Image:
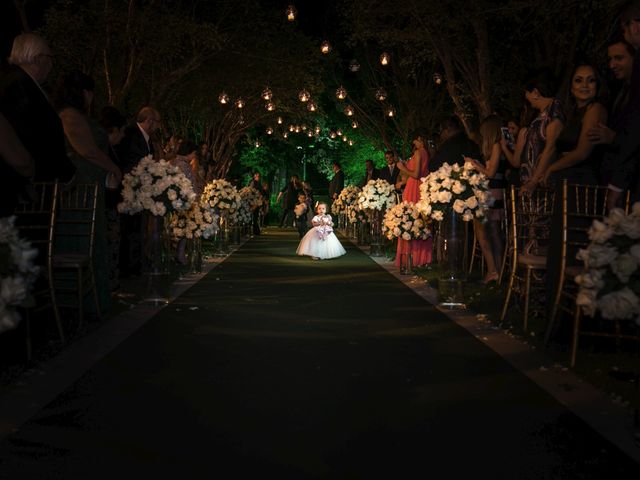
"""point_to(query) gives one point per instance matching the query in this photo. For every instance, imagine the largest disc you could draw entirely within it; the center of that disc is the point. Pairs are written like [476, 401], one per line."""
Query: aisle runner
[305, 369]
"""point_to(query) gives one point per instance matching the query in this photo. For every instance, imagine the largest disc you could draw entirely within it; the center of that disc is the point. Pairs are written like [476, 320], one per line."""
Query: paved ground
[279, 365]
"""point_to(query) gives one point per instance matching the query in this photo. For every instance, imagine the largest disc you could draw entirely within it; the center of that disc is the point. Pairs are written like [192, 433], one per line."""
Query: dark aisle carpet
[294, 368]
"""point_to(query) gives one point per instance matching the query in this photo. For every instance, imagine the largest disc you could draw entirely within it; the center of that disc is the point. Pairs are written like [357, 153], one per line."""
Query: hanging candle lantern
[354, 124]
[339, 132]
[292, 127]
[223, 98]
[291, 13]
[303, 127]
[267, 94]
[348, 111]
[354, 65]
[351, 143]
[341, 93]
[279, 120]
[332, 134]
[325, 47]
[270, 106]
[296, 129]
[311, 106]
[240, 120]
[304, 96]
[344, 139]
[437, 78]
[257, 144]
[317, 129]
[381, 94]
[391, 112]
[309, 134]
[269, 131]
[239, 103]
[385, 59]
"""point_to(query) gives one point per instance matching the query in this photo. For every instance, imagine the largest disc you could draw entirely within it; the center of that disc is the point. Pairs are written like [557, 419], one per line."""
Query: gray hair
[146, 112]
[26, 48]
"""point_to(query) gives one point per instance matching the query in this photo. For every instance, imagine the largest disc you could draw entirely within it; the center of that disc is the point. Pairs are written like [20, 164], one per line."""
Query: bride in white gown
[320, 242]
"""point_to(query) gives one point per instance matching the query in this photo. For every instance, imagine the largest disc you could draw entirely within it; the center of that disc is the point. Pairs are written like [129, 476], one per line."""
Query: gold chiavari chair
[74, 247]
[476, 251]
[506, 228]
[36, 218]
[529, 236]
[581, 205]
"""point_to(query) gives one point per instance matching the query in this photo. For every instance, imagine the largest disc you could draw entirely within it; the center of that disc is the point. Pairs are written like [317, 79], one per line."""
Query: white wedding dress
[320, 241]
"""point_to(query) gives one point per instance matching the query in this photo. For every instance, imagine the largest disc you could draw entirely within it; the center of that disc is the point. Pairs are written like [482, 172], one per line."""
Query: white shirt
[145, 135]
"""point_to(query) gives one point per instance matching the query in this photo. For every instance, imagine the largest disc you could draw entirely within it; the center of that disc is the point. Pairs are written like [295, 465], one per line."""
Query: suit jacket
[36, 123]
[132, 148]
[336, 184]
[389, 176]
[452, 151]
[370, 176]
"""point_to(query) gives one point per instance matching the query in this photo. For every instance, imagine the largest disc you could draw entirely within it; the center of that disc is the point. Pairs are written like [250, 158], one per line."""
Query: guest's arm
[490, 169]
[516, 159]
[13, 152]
[552, 132]
[417, 163]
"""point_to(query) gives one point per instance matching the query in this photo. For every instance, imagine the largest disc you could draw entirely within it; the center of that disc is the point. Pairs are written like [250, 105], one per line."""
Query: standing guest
[255, 215]
[289, 195]
[26, 107]
[337, 182]
[308, 191]
[390, 172]
[454, 145]
[371, 173]
[204, 154]
[489, 234]
[577, 160]
[88, 146]
[416, 168]
[137, 143]
[14, 161]
[301, 211]
[113, 123]
[266, 204]
[540, 141]
[620, 54]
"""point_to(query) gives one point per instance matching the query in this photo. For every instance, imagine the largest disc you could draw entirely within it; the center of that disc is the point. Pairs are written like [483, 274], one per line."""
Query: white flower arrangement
[157, 187]
[406, 221]
[377, 195]
[17, 273]
[251, 197]
[198, 222]
[355, 214]
[243, 215]
[222, 197]
[347, 197]
[611, 282]
[463, 190]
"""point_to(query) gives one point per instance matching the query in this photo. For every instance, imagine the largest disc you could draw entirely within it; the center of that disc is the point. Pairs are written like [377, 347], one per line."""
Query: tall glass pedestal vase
[353, 231]
[194, 255]
[377, 238]
[156, 248]
[221, 238]
[364, 233]
[452, 254]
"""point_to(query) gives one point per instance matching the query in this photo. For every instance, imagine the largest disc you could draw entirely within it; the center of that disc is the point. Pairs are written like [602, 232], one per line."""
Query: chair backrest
[36, 217]
[531, 220]
[75, 224]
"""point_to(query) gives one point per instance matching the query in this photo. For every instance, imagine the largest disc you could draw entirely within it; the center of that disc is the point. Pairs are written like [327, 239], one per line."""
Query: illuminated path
[294, 368]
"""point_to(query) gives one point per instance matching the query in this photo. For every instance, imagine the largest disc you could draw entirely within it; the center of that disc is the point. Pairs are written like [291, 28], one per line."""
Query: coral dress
[320, 241]
[421, 250]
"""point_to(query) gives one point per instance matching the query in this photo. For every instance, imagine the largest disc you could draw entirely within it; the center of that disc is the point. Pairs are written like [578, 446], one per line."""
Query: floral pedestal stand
[406, 264]
[364, 233]
[221, 238]
[377, 238]
[452, 254]
[194, 255]
[156, 248]
[353, 231]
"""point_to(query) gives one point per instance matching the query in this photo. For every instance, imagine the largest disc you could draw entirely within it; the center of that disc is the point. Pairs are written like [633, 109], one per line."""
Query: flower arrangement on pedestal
[611, 282]
[156, 187]
[377, 195]
[462, 190]
[406, 221]
[222, 197]
[198, 222]
[17, 273]
[251, 197]
[347, 197]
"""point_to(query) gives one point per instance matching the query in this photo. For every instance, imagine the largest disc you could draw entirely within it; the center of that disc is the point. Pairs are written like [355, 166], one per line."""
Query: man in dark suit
[255, 215]
[454, 145]
[26, 107]
[289, 194]
[390, 172]
[337, 182]
[371, 172]
[137, 142]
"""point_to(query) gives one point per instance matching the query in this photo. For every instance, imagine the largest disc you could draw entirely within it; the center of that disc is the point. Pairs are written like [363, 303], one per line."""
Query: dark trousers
[285, 214]
[301, 225]
[255, 217]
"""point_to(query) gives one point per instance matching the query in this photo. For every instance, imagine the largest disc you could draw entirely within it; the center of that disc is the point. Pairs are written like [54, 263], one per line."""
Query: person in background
[289, 194]
[454, 145]
[337, 182]
[301, 211]
[371, 173]
[308, 191]
[389, 173]
[137, 143]
[14, 161]
[256, 184]
[266, 204]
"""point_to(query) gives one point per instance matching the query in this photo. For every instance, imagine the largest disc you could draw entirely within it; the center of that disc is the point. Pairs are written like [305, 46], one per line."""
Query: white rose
[593, 279]
[444, 197]
[630, 226]
[624, 266]
[458, 187]
[601, 255]
[623, 304]
[471, 202]
[437, 215]
[458, 206]
[599, 232]
[467, 216]
[406, 236]
[587, 300]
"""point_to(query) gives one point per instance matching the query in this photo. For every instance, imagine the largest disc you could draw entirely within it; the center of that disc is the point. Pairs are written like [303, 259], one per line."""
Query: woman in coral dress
[415, 169]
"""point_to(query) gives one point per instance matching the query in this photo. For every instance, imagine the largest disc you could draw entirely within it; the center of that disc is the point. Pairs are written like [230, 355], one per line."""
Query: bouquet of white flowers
[611, 282]
[17, 273]
[377, 195]
[356, 214]
[347, 197]
[222, 197]
[251, 197]
[461, 189]
[157, 187]
[406, 221]
[198, 222]
[243, 215]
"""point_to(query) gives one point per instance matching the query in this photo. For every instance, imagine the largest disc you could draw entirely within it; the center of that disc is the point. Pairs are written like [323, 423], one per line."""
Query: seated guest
[27, 109]
[454, 145]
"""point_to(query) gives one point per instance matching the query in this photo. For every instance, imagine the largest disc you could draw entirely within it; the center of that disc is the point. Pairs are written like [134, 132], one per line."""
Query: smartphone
[506, 134]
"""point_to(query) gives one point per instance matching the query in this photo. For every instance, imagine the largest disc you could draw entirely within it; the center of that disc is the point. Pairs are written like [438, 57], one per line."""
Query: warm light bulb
[351, 143]
[437, 78]
[325, 47]
[269, 131]
[339, 132]
[270, 106]
[223, 98]
[348, 111]
[304, 96]
[309, 134]
[257, 144]
[391, 112]
[341, 93]
[240, 103]
[381, 94]
[344, 139]
[311, 106]
[291, 13]
[354, 124]
[292, 128]
[285, 134]
[279, 120]
[385, 58]
[267, 94]
[318, 129]
[332, 134]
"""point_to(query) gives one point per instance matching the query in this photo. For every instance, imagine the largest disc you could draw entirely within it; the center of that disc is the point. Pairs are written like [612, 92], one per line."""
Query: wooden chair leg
[552, 317]
[527, 287]
[505, 307]
[576, 335]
